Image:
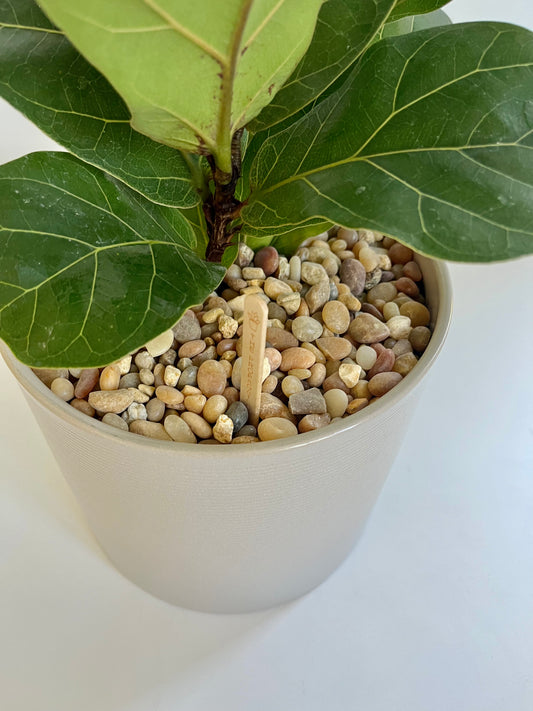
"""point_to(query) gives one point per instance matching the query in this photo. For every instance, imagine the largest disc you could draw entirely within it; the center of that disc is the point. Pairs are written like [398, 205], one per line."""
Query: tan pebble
[146, 376]
[334, 381]
[407, 286]
[160, 344]
[233, 272]
[154, 430]
[244, 439]
[419, 338]
[390, 309]
[281, 339]
[381, 383]
[270, 384]
[384, 262]
[75, 372]
[230, 356]
[290, 385]
[399, 327]
[320, 357]
[356, 404]
[402, 299]
[139, 396]
[190, 390]
[351, 302]
[110, 378]
[272, 406]
[361, 390]
[223, 429]
[63, 388]
[312, 422]
[155, 409]
[211, 378]
[275, 323]
[226, 366]
[306, 328]
[212, 315]
[405, 363]
[303, 309]
[402, 346]
[318, 295]
[195, 403]
[336, 316]
[171, 376]
[349, 374]
[191, 349]
[366, 328]
[215, 405]
[317, 376]
[143, 359]
[300, 373]
[47, 375]
[418, 313]
[170, 396]
[88, 380]
[295, 268]
[290, 302]
[198, 425]
[136, 411]
[252, 273]
[412, 270]
[336, 402]
[385, 291]
[146, 389]
[124, 364]
[368, 259]
[275, 428]
[400, 254]
[334, 348]
[236, 304]
[296, 358]
[210, 353]
[338, 245]
[274, 288]
[274, 358]
[159, 374]
[110, 400]
[231, 394]
[245, 255]
[227, 326]
[312, 273]
[83, 406]
[115, 421]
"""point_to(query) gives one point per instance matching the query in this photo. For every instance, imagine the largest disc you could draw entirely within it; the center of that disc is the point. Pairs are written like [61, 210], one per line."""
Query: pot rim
[40, 392]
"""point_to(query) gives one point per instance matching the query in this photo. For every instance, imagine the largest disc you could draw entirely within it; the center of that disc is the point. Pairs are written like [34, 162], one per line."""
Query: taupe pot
[233, 528]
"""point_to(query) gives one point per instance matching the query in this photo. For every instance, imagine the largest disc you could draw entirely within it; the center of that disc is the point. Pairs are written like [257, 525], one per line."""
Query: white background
[432, 611]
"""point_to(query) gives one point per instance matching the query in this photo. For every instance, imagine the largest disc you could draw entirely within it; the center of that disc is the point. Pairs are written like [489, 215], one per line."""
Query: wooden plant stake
[253, 354]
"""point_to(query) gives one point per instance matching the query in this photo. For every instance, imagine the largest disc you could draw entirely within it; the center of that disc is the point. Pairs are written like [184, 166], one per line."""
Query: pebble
[291, 303]
[295, 268]
[170, 396]
[353, 274]
[223, 429]
[171, 376]
[83, 406]
[130, 380]
[276, 428]
[155, 410]
[188, 328]
[139, 396]
[412, 270]
[407, 286]
[366, 328]
[195, 403]
[87, 382]
[154, 430]
[385, 291]
[405, 363]
[251, 273]
[146, 377]
[312, 422]
[274, 358]
[281, 339]
[296, 357]
[110, 400]
[317, 375]
[227, 326]
[137, 411]
[306, 328]
[417, 312]
[237, 412]
[368, 258]
[216, 405]
[336, 402]
[47, 375]
[291, 384]
[267, 259]
[188, 376]
[192, 348]
[160, 344]
[390, 309]
[307, 402]
[334, 381]
[312, 273]
[334, 348]
[178, 429]
[399, 327]
[356, 404]
[272, 406]
[115, 421]
[381, 383]
[198, 425]
[350, 373]
[366, 357]
[244, 439]
[124, 364]
[400, 254]
[419, 338]
[336, 316]
[384, 362]
[317, 296]
[402, 346]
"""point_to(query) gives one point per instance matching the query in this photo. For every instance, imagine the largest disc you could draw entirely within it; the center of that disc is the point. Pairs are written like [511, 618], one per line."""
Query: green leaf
[404, 8]
[89, 269]
[344, 30]
[45, 77]
[440, 156]
[414, 23]
[191, 73]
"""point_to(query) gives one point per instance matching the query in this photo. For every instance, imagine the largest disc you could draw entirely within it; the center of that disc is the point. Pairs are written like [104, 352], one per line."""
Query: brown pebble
[335, 382]
[170, 396]
[231, 394]
[373, 310]
[296, 358]
[83, 406]
[86, 383]
[419, 338]
[244, 439]
[154, 430]
[356, 404]
[405, 363]
[334, 348]
[281, 339]
[418, 313]
[317, 296]
[336, 316]
[383, 382]
[198, 425]
[267, 259]
[275, 428]
[191, 349]
[407, 286]
[309, 423]
[400, 254]
[211, 378]
[225, 345]
[353, 273]
[366, 328]
[272, 406]
[274, 358]
[195, 403]
[413, 271]
[384, 362]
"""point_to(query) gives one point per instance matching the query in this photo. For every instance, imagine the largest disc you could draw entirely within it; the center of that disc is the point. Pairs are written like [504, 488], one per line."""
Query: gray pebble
[247, 431]
[307, 402]
[373, 278]
[188, 377]
[155, 409]
[187, 328]
[130, 380]
[353, 274]
[238, 413]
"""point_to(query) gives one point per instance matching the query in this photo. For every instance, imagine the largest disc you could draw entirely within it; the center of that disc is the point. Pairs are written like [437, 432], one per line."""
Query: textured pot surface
[233, 528]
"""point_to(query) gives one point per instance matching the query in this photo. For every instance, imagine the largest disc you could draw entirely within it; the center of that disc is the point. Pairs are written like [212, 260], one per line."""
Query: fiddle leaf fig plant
[193, 126]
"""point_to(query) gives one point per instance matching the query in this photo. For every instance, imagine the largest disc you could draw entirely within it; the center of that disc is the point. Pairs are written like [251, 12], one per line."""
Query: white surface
[433, 610]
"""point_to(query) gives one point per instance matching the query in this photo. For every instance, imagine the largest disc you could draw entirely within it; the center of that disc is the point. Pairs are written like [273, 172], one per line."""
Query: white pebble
[171, 375]
[336, 402]
[390, 309]
[137, 411]
[399, 327]
[160, 344]
[63, 388]
[366, 357]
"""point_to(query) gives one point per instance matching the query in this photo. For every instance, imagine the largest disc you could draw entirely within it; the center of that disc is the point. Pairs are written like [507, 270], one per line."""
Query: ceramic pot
[233, 528]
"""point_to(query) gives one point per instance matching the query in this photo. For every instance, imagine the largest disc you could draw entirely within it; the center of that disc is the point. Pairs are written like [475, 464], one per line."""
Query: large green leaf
[404, 8]
[89, 269]
[47, 79]
[429, 141]
[192, 73]
[344, 30]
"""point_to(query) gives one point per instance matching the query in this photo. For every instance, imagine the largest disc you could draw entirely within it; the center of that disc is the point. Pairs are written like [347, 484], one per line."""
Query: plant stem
[222, 208]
